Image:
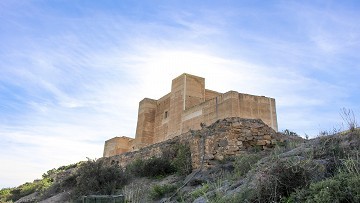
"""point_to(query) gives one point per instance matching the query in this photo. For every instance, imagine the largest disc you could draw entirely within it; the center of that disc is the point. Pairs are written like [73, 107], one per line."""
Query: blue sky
[72, 72]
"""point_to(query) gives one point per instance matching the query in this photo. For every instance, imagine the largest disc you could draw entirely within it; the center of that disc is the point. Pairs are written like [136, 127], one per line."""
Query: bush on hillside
[244, 163]
[155, 167]
[135, 168]
[152, 168]
[182, 160]
[159, 191]
[14, 194]
[176, 159]
[344, 186]
[95, 177]
[5, 194]
[281, 180]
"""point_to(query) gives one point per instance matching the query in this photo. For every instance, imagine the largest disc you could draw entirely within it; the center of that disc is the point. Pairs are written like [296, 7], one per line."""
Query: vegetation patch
[182, 159]
[153, 168]
[95, 177]
[13, 194]
[244, 163]
[159, 191]
[344, 186]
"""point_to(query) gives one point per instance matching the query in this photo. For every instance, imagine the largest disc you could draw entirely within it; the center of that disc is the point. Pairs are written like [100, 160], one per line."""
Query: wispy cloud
[71, 78]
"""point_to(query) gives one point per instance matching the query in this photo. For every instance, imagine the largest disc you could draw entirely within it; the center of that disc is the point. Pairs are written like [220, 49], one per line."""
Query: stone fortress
[187, 107]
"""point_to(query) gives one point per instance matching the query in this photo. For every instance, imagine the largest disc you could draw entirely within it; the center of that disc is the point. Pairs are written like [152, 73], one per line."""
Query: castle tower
[186, 91]
[145, 123]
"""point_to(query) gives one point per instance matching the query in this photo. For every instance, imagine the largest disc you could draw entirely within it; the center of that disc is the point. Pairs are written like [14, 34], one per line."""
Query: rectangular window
[166, 114]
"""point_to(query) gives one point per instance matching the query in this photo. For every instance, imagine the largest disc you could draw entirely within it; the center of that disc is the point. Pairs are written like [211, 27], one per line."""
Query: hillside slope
[323, 169]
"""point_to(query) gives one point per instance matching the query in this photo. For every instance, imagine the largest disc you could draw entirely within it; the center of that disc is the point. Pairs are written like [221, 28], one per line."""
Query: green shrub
[135, 168]
[159, 191]
[54, 171]
[174, 159]
[182, 159]
[25, 189]
[247, 195]
[5, 194]
[70, 166]
[244, 163]
[201, 191]
[95, 177]
[283, 178]
[343, 187]
[153, 168]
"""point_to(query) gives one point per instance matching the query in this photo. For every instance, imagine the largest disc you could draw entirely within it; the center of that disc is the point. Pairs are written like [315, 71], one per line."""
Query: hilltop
[323, 169]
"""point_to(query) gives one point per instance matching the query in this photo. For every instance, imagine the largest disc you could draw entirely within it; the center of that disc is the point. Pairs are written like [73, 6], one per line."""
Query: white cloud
[83, 78]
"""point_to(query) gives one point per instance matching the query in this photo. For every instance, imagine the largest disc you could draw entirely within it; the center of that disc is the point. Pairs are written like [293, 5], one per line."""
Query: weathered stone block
[242, 138]
[209, 157]
[223, 143]
[219, 157]
[267, 137]
[233, 148]
[261, 142]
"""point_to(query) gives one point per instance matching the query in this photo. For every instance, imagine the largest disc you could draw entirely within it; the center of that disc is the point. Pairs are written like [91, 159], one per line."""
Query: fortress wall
[251, 106]
[193, 117]
[222, 106]
[176, 106]
[210, 94]
[231, 104]
[226, 104]
[194, 88]
[117, 145]
[162, 118]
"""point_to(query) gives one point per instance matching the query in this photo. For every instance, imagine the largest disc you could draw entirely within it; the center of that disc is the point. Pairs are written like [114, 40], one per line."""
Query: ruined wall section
[225, 138]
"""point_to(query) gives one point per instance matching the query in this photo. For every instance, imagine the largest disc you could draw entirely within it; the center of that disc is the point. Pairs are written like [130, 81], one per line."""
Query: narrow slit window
[166, 114]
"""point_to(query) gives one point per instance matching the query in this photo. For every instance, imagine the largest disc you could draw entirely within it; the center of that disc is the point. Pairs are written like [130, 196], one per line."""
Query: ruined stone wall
[226, 137]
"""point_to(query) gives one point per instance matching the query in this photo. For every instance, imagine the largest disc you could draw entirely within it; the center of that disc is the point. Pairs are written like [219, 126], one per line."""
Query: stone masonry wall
[224, 138]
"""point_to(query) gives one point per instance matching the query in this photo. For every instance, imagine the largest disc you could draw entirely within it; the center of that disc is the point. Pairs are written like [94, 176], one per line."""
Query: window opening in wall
[166, 114]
